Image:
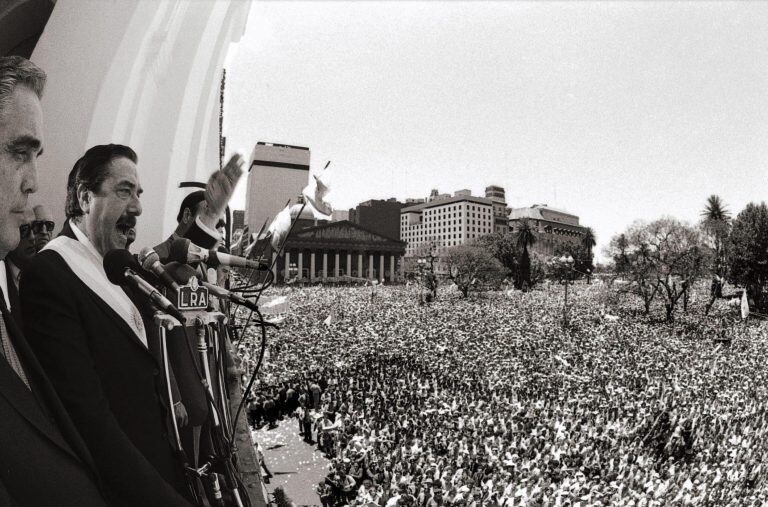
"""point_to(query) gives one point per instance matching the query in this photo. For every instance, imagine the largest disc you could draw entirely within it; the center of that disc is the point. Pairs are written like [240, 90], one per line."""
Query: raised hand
[219, 190]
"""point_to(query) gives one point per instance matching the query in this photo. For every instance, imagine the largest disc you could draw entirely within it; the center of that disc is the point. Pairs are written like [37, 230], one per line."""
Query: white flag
[328, 320]
[744, 305]
[282, 224]
[255, 238]
[315, 192]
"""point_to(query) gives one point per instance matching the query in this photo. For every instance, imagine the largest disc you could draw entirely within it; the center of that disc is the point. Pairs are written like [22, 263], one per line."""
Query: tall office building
[379, 216]
[500, 211]
[445, 221]
[277, 173]
[238, 219]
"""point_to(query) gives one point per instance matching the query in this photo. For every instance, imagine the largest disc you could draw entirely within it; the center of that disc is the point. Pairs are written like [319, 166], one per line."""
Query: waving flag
[254, 240]
[280, 226]
[316, 191]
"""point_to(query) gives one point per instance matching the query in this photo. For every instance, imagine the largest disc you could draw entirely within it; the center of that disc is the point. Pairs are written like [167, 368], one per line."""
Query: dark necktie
[7, 347]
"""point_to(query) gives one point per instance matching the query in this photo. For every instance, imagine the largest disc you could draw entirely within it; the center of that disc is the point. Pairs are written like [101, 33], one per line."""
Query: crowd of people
[492, 400]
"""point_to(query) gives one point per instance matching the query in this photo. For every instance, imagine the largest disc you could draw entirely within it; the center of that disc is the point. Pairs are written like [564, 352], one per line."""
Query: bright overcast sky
[612, 111]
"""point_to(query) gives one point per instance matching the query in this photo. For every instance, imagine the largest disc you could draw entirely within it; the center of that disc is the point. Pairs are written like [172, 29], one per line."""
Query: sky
[612, 111]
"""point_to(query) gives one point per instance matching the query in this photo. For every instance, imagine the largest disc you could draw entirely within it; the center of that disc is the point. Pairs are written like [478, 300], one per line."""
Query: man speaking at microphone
[93, 340]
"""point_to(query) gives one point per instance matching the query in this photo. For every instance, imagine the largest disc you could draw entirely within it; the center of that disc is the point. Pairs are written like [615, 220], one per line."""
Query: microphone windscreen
[179, 250]
[181, 273]
[145, 252]
[116, 262]
[148, 258]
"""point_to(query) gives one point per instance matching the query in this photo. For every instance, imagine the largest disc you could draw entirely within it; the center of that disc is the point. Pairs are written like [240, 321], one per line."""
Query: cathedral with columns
[339, 252]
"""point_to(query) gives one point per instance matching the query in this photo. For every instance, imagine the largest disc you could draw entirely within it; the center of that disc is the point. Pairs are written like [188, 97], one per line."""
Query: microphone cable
[248, 388]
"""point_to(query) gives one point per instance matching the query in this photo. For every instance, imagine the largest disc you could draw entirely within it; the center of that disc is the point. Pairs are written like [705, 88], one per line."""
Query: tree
[503, 247]
[747, 250]
[664, 257]
[716, 222]
[585, 260]
[525, 237]
[632, 261]
[470, 266]
[678, 251]
[538, 271]
[620, 246]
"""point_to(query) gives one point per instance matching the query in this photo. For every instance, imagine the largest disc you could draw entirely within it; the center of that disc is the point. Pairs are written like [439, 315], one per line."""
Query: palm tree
[588, 242]
[716, 221]
[715, 210]
[526, 236]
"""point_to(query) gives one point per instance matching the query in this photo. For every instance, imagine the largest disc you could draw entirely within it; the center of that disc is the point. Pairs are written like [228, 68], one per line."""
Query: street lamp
[564, 265]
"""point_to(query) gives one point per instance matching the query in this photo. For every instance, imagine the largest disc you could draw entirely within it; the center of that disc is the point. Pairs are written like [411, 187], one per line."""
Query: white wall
[142, 73]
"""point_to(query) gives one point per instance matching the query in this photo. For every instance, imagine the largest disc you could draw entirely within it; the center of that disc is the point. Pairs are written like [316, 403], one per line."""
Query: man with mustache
[94, 342]
[44, 459]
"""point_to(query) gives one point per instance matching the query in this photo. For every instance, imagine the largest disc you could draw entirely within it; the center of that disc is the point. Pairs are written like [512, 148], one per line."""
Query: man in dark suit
[93, 341]
[190, 207]
[193, 221]
[34, 234]
[17, 259]
[43, 459]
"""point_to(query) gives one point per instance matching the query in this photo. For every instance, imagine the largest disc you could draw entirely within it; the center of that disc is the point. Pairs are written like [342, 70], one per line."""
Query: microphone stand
[163, 321]
[223, 449]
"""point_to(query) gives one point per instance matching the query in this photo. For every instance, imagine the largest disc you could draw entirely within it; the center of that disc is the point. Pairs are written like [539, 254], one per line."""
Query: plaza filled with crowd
[495, 400]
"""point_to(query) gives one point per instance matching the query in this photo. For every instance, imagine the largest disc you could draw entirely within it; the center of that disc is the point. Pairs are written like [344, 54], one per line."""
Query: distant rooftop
[535, 212]
[443, 202]
[262, 143]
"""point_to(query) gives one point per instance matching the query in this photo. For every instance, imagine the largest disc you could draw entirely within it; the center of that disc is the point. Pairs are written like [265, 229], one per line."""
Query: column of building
[324, 264]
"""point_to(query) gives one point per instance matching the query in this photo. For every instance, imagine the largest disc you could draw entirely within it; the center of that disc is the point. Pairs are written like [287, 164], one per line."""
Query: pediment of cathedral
[342, 231]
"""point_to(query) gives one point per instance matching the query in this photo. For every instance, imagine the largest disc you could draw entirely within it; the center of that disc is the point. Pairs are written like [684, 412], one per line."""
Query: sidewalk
[296, 465]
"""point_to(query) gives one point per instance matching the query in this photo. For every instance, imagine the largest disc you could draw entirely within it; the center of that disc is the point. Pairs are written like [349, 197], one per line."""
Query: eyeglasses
[39, 225]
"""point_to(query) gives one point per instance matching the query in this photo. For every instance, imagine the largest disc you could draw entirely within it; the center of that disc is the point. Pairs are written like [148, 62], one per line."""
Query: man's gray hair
[14, 71]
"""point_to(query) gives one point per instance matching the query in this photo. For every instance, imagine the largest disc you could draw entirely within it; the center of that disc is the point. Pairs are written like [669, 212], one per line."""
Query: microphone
[183, 273]
[184, 251]
[119, 265]
[150, 261]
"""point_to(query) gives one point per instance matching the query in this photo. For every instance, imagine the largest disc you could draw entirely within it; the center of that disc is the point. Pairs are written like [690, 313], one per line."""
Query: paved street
[296, 466]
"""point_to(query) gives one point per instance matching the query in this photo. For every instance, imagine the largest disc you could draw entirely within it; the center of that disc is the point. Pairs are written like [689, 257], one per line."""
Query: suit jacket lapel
[13, 292]
[12, 388]
[44, 390]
